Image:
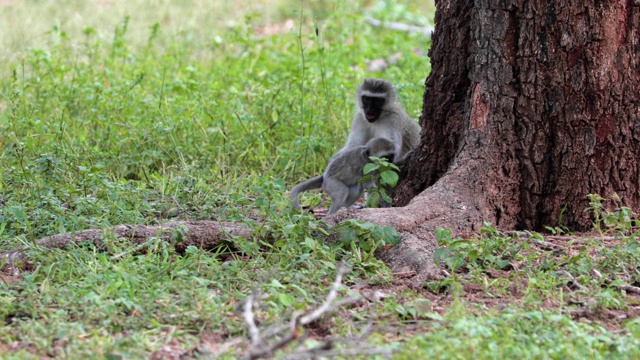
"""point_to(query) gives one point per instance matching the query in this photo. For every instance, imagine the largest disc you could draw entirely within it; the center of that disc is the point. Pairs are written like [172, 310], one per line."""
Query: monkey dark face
[372, 106]
[388, 156]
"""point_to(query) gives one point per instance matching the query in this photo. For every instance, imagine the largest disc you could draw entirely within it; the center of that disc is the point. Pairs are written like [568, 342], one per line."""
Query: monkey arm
[403, 161]
[398, 145]
[358, 134]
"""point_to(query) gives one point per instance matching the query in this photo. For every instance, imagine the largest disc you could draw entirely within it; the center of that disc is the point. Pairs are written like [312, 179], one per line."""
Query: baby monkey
[341, 179]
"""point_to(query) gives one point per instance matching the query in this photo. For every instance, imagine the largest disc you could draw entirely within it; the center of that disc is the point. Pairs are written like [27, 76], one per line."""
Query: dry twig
[288, 333]
[628, 288]
[572, 280]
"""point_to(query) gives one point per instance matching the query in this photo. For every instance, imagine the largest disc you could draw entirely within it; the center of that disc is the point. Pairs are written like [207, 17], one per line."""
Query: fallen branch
[572, 280]
[203, 234]
[565, 238]
[405, 274]
[249, 318]
[288, 333]
[628, 288]
[424, 30]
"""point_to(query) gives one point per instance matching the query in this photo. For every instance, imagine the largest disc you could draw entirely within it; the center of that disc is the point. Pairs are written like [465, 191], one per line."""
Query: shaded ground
[482, 291]
[479, 295]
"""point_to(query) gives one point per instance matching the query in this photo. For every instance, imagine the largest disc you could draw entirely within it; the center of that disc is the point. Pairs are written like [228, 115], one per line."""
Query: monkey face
[372, 106]
[385, 155]
[389, 156]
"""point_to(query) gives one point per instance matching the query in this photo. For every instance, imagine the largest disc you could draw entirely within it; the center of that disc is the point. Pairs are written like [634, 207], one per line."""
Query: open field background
[140, 112]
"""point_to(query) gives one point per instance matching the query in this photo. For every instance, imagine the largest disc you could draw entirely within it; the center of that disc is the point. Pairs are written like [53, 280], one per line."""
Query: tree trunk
[530, 106]
[539, 102]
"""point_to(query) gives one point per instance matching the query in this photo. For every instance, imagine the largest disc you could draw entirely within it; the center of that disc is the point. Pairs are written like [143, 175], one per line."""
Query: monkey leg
[355, 192]
[339, 193]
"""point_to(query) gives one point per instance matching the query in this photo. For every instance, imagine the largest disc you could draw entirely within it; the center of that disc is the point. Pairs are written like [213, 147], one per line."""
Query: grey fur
[343, 174]
[393, 123]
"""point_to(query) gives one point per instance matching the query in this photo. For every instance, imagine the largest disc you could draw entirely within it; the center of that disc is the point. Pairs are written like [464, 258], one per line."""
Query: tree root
[442, 205]
[203, 234]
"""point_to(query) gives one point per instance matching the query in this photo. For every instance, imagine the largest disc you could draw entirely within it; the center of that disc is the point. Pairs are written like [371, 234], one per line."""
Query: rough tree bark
[543, 96]
[530, 106]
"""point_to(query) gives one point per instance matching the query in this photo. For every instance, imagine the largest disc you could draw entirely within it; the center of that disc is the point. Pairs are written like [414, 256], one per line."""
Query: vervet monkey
[341, 179]
[379, 114]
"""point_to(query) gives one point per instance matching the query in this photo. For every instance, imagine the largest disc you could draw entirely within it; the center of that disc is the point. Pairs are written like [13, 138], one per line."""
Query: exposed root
[204, 234]
[445, 204]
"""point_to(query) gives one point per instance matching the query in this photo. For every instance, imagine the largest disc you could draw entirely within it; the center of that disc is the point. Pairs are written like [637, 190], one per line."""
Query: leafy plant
[621, 220]
[491, 249]
[384, 175]
[365, 237]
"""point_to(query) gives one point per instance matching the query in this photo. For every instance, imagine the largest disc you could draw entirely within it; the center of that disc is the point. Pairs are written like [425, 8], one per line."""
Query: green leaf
[385, 197]
[454, 262]
[434, 316]
[389, 178]
[390, 236]
[300, 289]
[365, 225]
[374, 199]
[310, 243]
[347, 234]
[276, 284]
[443, 235]
[440, 254]
[370, 167]
[502, 263]
[286, 299]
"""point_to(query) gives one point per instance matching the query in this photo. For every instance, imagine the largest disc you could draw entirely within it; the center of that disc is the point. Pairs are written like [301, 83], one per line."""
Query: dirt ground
[579, 306]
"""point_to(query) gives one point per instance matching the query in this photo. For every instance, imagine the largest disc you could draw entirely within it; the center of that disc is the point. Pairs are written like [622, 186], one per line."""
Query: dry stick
[571, 279]
[575, 239]
[405, 273]
[628, 288]
[325, 349]
[249, 318]
[584, 239]
[547, 245]
[315, 352]
[292, 335]
[333, 293]
[258, 348]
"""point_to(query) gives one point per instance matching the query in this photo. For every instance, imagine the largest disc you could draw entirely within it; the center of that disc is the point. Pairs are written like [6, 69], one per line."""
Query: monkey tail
[313, 183]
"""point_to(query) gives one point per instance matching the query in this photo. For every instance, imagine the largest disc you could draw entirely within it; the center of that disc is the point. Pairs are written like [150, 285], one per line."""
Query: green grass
[529, 335]
[135, 112]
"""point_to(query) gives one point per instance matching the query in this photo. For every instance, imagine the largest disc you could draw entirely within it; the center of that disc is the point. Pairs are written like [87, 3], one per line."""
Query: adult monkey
[379, 114]
[341, 179]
